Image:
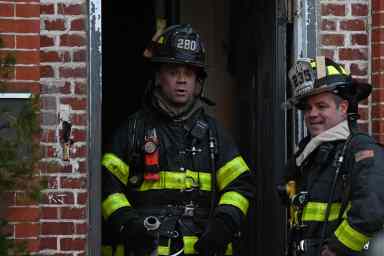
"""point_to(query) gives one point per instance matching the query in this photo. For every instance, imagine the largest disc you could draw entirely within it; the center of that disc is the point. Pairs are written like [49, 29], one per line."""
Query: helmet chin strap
[353, 115]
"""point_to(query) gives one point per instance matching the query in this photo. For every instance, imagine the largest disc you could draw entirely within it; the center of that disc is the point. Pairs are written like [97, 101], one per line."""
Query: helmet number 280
[186, 44]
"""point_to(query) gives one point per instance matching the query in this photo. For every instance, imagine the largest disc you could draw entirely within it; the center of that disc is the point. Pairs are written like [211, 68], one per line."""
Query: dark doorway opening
[127, 29]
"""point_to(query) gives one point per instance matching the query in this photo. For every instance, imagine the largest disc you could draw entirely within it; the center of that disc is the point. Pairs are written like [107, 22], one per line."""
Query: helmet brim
[363, 90]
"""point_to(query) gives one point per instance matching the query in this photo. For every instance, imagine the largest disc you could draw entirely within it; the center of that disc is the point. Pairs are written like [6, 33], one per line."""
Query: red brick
[358, 70]
[378, 96]
[8, 230]
[22, 214]
[378, 80]
[82, 167]
[72, 40]
[8, 41]
[332, 10]
[328, 25]
[378, 50]
[80, 88]
[69, 244]
[363, 127]
[9, 198]
[48, 243]
[353, 25]
[378, 111]
[353, 54]
[63, 228]
[27, 57]
[73, 183]
[82, 198]
[81, 228]
[32, 245]
[78, 25]
[50, 167]
[378, 5]
[68, 72]
[47, 8]
[46, 41]
[27, 1]
[6, 10]
[79, 135]
[46, 71]
[66, 89]
[379, 138]
[23, 199]
[27, 10]
[332, 39]
[27, 73]
[378, 19]
[52, 182]
[363, 112]
[79, 119]
[377, 65]
[378, 127]
[58, 24]
[359, 39]
[80, 56]
[32, 87]
[26, 230]
[75, 103]
[80, 151]
[54, 56]
[19, 26]
[49, 213]
[27, 42]
[73, 213]
[71, 9]
[359, 9]
[378, 35]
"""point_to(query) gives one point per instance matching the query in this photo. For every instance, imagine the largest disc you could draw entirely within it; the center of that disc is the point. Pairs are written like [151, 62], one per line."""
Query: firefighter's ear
[343, 106]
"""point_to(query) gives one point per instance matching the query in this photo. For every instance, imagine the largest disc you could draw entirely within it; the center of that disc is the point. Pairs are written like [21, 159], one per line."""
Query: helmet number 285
[186, 44]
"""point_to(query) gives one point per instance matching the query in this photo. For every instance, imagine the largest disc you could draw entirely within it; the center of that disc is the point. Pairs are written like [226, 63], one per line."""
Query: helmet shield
[180, 44]
[313, 76]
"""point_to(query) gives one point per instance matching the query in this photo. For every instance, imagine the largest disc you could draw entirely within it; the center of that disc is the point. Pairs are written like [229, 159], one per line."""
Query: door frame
[94, 127]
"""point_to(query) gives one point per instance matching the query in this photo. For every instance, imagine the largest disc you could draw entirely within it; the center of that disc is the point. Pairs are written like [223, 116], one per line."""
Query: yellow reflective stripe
[116, 166]
[350, 237]
[164, 250]
[236, 199]
[114, 202]
[178, 180]
[331, 70]
[229, 250]
[189, 243]
[106, 250]
[119, 250]
[230, 171]
[315, 211]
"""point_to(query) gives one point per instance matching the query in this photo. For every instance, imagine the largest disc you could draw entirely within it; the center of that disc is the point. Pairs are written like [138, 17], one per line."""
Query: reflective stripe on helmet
[236, 199]
[350, 237]
[230, 171]
[164, 249]
[113, 203]
[179, 180]
[116, 166]
[189, 245]
[315, 211]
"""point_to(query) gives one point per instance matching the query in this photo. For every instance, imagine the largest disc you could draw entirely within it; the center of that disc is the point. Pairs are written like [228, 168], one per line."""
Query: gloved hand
[137, 236]
[215, 238]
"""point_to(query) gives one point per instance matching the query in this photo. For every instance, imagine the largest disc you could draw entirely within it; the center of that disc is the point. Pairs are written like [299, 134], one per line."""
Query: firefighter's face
[324, 111]
[178, 83]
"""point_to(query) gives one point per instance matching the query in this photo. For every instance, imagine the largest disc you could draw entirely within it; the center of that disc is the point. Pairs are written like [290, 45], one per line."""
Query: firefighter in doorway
[173, 182]
[333, 183]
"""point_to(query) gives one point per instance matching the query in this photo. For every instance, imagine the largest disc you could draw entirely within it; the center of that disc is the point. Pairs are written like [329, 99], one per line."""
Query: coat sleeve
[235, 182]
[116, 207]
[366, 215]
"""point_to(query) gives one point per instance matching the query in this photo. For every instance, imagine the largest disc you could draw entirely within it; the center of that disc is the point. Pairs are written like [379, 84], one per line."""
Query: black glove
[128, 226]
[137, 236]
[215, 238]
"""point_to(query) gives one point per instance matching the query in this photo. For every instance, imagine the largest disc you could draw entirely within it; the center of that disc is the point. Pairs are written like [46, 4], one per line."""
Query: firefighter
[173, 182]
[334, 181]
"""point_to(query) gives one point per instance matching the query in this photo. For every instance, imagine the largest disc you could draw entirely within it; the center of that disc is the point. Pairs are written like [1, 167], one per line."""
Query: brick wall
[49, 40]
[378, 69]
[344, 36]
